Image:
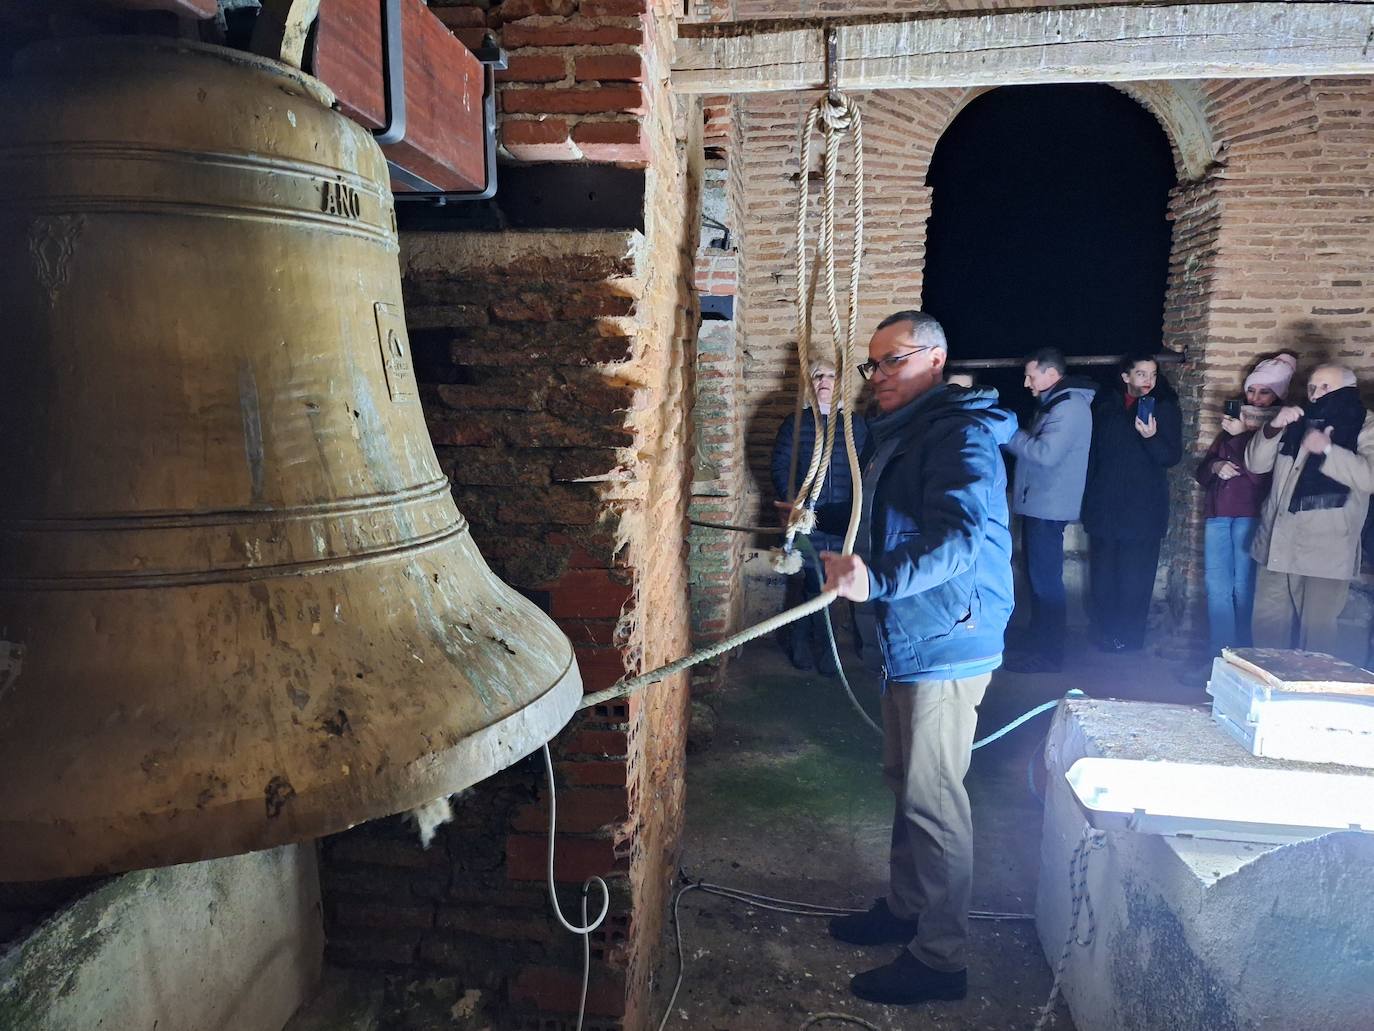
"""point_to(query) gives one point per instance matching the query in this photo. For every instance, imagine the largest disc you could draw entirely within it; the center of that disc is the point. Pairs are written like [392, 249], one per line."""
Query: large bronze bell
[238, 607]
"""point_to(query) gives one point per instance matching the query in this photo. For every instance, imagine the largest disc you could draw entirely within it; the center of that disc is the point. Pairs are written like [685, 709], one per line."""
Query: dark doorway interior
[1048, 227]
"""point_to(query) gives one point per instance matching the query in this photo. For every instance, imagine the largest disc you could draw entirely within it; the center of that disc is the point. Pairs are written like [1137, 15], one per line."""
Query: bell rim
[307, 817]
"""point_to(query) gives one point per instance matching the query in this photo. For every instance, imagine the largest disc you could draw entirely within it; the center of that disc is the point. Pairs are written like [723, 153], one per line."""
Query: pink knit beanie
[1275, 373]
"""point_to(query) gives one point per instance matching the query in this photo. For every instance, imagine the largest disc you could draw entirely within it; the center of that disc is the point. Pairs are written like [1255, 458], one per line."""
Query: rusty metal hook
[832, 63]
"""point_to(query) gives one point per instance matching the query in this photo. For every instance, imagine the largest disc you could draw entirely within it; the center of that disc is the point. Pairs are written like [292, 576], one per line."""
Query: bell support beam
[1106, 43]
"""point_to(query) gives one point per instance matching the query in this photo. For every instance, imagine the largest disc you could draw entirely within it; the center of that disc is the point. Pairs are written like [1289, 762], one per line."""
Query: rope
[839, 116]
[1090, 842]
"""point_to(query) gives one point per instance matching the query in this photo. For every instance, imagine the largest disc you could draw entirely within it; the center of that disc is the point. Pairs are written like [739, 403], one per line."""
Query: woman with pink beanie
[1232, 504]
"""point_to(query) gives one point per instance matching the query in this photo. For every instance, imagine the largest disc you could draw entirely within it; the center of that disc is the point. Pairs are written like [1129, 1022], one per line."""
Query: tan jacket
[1322, 542]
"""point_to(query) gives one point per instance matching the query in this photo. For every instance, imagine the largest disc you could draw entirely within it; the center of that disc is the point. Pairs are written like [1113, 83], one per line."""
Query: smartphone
[1232, 408]
[1145, 408]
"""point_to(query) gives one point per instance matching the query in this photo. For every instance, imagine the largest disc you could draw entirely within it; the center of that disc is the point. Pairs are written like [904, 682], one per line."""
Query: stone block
[1195, 934]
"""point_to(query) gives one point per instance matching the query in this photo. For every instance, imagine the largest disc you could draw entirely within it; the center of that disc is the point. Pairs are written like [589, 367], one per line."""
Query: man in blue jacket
[1047, 493]
[934, 559]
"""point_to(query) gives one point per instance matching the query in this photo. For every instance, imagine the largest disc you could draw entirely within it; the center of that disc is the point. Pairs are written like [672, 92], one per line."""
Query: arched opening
[1048, 227]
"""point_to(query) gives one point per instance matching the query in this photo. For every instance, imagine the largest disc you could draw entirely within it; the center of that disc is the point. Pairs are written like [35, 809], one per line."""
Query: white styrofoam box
[1232, 803]
[1300, 725]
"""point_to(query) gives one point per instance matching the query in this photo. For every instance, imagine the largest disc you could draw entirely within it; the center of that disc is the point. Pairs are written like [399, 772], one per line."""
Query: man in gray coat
[1047, 493]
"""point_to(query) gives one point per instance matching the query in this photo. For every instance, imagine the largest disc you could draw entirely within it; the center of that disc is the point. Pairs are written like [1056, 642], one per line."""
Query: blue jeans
[1230, 579]
[1043, 542]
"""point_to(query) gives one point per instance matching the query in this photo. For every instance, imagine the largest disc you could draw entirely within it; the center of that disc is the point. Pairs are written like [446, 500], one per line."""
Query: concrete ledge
[230, 943]
[1197, 935]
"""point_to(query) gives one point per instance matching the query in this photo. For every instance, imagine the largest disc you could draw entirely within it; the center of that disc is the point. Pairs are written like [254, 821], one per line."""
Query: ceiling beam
[1105, 43]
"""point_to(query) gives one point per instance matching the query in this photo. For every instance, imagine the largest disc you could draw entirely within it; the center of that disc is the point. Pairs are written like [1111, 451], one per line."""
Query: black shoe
[1032, 662]
[907, 980]
[800, 654]
[876, 927]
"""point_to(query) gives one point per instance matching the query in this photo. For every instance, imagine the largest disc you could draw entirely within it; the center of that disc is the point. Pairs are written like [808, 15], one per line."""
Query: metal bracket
[393, 75]
[493, 60]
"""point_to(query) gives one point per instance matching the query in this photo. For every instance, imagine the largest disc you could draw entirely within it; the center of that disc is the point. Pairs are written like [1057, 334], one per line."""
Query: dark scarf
[1343, 411]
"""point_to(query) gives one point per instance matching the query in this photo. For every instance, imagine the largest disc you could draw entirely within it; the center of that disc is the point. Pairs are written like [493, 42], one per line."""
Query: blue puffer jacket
[936, 534]
[832, 507]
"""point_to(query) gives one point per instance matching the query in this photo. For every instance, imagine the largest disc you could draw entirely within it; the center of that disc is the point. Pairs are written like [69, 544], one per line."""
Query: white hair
[1347, 374]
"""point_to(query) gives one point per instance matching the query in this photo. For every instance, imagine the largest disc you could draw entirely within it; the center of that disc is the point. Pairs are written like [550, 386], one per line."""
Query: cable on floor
[795, 907]
[584, 929]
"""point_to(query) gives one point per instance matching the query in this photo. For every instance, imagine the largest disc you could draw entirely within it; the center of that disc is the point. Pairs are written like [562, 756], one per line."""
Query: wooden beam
[199, 9]
[1107, 43]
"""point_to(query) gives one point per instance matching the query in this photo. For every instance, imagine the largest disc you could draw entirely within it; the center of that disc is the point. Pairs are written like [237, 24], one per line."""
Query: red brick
[595, 742]
[535, 68]
[471, 38]
[600, 667]
[585, 594]
[594, 100]
[599, 632]
[610, 68]
[515, 36]
[614, 8]
[512, 10]
[385, 915]
[580, 810]
[606, 773]
[581, 556]
[461, 17]
[555, 990]
[575, 859]
[538, 139]
[622, 142]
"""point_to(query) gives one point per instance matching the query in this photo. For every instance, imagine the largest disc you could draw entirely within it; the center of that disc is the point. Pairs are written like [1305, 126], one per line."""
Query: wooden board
[1102, 43]
[444, 131]
[1314, 672]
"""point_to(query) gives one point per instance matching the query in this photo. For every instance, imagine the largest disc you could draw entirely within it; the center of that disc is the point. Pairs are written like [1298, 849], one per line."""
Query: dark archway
[1048, 226]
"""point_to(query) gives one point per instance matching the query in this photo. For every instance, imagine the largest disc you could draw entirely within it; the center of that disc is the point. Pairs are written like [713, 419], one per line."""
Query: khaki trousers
[928, 730]
[1313, 602]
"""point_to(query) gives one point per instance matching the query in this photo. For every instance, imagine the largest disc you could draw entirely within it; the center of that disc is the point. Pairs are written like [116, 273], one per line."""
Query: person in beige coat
[1307, 545]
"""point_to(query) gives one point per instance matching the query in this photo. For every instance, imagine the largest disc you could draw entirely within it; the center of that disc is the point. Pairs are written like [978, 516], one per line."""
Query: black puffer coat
[832, 507]
[1127, 494]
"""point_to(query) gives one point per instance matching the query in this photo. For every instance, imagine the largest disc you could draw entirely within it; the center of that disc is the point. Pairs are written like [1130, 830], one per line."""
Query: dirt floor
[786, 800]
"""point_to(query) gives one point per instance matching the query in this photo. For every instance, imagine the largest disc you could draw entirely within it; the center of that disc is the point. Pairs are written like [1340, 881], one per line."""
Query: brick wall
[556, 372]
[900, 129]
[718, 466]
[577, 86]
[1271, 249]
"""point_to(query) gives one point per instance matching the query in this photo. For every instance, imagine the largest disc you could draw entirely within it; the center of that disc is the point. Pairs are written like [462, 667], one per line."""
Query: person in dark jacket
[1047, 493]
[1231, 505]
[933, 558]
[808, 644]
[1126, 501]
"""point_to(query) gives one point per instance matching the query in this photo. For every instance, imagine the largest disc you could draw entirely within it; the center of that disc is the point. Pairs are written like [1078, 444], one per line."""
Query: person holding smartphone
[1308, 541]
[1137, 436]
[1232, 498]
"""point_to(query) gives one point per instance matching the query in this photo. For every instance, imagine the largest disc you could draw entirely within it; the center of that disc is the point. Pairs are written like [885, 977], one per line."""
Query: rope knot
[786, 561]
[803, 521]
[837, 114]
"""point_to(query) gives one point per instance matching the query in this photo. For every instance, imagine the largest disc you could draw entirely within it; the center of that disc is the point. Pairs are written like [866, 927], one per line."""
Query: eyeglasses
[889, 365]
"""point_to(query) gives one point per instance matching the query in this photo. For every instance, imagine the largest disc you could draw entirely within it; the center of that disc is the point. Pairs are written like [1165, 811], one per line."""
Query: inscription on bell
[391, 334]
[338, 198]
